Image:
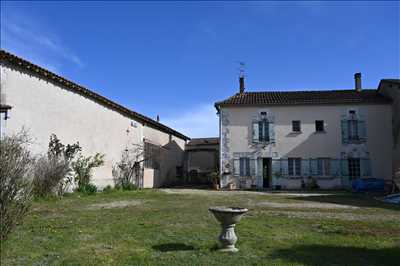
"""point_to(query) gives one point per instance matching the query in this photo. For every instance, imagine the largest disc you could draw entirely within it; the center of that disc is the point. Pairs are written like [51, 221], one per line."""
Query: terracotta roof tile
[304, 98]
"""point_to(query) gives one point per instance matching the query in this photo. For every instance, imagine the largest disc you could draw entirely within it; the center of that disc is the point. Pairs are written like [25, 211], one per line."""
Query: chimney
[158, 118]
[357, 78]
[241, 84]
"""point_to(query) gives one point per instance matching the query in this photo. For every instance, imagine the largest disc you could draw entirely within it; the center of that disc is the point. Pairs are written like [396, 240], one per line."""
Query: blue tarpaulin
[368, 184]
[395, 198]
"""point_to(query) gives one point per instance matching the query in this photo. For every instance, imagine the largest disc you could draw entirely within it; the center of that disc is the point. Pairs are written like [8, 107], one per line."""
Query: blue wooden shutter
[236, 167]
[345, 131]
[284, 167]
[276, 167]
[242, 166]
[319, 167]
[313, 167]
[365, 165]
[362, 130]
[251, 167]
[305, 167]
[271, 132]
[344, 167]
[259, 172]
[256, 132]
[335, 167]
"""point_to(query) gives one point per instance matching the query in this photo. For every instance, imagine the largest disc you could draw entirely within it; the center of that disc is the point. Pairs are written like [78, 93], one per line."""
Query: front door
[266, 172]
[354, 168]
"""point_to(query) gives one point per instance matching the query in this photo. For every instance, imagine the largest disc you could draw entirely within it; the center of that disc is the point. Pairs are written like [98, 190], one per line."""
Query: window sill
[295, 132]
[294, 177]
[264, 142]
[355, 142]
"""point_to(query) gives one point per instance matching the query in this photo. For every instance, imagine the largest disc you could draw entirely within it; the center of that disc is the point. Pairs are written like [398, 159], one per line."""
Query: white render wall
[236, 135]
[44, 108]
[173, 155]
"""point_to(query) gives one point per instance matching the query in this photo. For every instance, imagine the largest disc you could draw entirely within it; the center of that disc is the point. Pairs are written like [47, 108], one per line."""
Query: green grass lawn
[177, 229]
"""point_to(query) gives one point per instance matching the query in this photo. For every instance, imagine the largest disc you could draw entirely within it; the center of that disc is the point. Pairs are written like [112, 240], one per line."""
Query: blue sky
[176, 59]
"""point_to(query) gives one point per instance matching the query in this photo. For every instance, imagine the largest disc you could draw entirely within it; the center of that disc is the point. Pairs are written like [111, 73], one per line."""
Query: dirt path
[313, 205]
[238, 192]
[344, 216]
[115, 204]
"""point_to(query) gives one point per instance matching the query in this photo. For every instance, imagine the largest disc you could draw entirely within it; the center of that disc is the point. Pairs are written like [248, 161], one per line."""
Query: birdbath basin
[228, 217]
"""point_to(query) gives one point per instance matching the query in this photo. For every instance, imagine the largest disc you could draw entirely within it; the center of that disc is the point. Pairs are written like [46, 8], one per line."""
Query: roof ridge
[305, 91]
[51, 76]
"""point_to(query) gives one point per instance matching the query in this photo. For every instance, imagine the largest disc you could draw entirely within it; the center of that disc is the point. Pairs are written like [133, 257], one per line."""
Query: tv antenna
[242, 66]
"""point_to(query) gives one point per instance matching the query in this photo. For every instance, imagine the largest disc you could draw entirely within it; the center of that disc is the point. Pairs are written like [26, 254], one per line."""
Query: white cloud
[198, 122]
[35, 42]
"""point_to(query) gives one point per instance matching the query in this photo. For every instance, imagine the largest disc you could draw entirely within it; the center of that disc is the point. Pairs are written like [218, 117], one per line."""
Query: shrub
[15, 177]
[129, 186]
[128, 170]
[51, 175]
[83, 169]
[53, 171]
[88, 189]
[107, 189]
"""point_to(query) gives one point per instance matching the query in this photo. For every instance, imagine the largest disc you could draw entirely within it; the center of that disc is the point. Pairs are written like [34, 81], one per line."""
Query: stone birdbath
[228, 217]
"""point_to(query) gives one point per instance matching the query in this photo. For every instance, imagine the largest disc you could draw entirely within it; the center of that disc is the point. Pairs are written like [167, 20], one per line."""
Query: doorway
[266, 172]
[354, 168]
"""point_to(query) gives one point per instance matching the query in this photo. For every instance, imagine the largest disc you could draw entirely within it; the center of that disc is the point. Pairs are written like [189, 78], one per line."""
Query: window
[294, 166]
[324, 166]
[354, 168]
[244, 166]
[296, 126]
[319, 126]
[353, 129]
[263, 130]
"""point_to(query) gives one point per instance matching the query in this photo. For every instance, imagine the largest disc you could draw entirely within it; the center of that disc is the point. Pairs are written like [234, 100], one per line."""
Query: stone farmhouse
[272, 139]
[45, 103]
[285, 140]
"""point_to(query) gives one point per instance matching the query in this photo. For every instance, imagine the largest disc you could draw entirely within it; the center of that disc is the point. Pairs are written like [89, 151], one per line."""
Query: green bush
[88, 189]
[129, 186]
[83, 168]
[52, 172]
[107, 189]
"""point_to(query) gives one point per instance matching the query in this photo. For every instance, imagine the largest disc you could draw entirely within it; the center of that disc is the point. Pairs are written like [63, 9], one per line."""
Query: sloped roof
[22, 64]
[304, 98]
[396, 81]
[203, 141]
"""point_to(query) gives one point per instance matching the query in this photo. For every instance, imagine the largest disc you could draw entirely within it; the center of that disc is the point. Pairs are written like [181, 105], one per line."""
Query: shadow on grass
[172, 247]
[357, 200]
[334, 255]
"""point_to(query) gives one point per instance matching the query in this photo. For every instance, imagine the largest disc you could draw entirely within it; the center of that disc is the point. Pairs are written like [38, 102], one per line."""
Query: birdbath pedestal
[228, 217]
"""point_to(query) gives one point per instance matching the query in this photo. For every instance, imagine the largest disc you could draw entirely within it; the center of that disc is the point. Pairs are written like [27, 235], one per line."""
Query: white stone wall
[236, 136]
[44, 108]
[172, 156]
